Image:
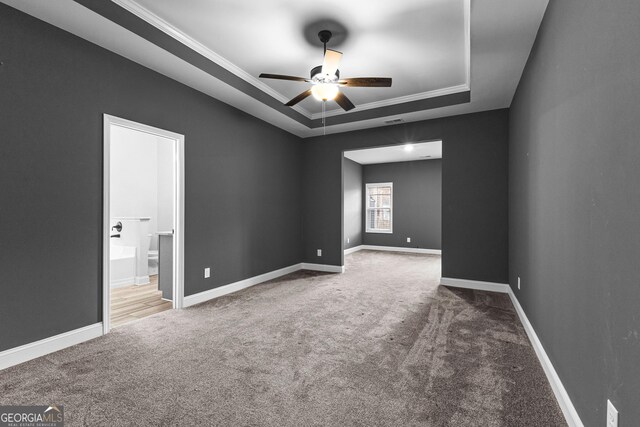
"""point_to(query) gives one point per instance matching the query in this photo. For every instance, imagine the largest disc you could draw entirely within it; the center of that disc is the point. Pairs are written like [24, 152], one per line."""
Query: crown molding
[153, 19]
[398, 100]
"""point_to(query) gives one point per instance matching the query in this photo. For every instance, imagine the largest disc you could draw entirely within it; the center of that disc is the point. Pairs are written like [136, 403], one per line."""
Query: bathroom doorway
[143, 221]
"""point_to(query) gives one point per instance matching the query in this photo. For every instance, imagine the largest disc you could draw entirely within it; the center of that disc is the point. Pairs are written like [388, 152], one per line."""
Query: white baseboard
[252, 281]
[45, 346]
[323, 267]
[122, 282]
[568, 410]
[237, 286]
[352, 250]
[475, 284]
[399, 249]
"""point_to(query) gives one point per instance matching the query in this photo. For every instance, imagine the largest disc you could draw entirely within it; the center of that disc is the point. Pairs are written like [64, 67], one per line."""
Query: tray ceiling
[446, 57]
[421, 44]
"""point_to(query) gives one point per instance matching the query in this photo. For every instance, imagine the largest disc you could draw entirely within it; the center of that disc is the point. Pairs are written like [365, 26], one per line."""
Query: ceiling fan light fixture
[325, 80]
[324, 91]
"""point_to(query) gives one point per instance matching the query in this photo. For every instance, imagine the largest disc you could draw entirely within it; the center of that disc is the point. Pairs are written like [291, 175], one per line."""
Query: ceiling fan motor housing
[316, 74]
[324, 36]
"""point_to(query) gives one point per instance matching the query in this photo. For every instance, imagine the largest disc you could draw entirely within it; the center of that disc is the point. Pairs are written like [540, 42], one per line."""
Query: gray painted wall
[352, 203]
[574, 174]
[474, 190]
[417, 203]
[243, 185]
[56, 88]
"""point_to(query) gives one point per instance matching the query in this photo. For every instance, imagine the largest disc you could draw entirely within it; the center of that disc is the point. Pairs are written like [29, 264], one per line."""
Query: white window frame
[368, 228]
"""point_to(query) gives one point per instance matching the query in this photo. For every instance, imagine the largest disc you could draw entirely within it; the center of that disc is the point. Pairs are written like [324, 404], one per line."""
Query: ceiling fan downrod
[325, 36]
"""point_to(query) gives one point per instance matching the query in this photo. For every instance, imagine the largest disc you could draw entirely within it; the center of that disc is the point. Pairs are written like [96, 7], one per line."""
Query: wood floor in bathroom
[135, 302]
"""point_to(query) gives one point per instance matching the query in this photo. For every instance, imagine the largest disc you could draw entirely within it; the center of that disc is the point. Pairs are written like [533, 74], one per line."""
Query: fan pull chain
[324, 122]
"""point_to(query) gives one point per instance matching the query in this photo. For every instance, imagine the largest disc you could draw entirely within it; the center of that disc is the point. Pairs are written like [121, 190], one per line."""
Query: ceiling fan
[325, 79]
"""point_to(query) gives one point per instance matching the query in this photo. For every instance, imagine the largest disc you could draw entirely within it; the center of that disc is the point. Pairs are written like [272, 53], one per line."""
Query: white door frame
[178, 214]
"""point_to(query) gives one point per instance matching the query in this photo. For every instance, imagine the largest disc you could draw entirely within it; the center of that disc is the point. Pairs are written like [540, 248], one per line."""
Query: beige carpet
[382, 344]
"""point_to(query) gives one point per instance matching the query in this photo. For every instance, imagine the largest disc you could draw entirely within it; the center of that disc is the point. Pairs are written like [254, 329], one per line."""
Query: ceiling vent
[393, 121]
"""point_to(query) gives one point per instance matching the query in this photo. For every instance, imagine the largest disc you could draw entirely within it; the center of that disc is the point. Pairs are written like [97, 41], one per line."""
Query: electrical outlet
[408, 239]
[207, 272]
[319, 252]
[518, 282]
[612, 415]
[348, 240]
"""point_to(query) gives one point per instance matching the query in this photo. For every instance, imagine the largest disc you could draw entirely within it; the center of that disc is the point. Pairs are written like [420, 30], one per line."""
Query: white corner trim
[401, 249]
[142, 280]
[323, 267]
[569, 411]
[153, 19]
[45, 346]
[352, 250]
[475, 284]
[467, 42]
[237, 286]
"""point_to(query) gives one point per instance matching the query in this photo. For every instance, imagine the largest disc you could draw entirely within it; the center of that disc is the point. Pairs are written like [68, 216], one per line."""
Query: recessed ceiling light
[408, 147]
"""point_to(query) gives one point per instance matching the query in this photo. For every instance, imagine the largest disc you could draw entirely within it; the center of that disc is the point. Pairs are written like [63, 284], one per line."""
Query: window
[379, 208]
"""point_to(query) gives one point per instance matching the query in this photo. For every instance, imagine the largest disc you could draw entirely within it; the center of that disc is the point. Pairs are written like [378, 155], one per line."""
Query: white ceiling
[418, 43]
[501, 35]
[397, 153]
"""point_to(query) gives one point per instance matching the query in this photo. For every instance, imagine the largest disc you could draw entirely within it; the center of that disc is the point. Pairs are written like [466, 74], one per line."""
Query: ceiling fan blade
[344, 102]
[298, 98]
[281, 77]
[366, 82]
[331, 62]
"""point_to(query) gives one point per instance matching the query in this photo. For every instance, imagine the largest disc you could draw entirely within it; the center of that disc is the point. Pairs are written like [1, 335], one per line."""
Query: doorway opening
[392, 199]
[143, 221]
